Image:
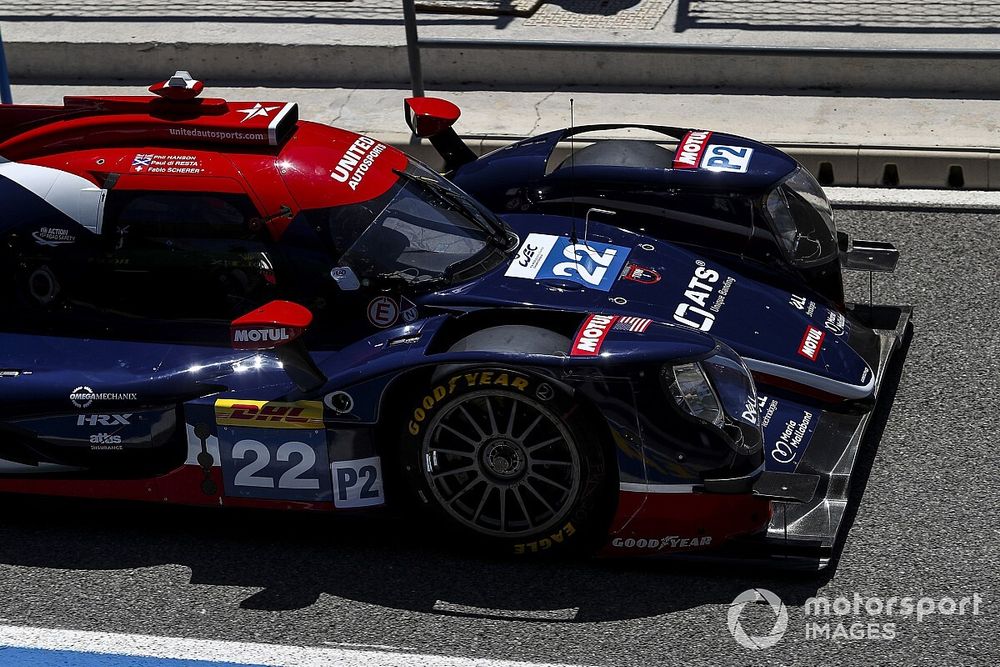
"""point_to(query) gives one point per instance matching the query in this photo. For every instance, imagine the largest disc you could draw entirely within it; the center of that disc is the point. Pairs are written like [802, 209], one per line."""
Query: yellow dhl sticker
[269, 414]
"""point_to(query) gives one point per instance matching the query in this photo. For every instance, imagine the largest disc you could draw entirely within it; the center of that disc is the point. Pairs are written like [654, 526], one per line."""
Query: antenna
[572, 172]
[586, 222]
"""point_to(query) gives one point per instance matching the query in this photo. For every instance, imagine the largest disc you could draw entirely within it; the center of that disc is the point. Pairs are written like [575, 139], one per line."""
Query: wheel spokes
[503, 482]
[472, 421]
[524, 507]
[456, 471]
[459, 435]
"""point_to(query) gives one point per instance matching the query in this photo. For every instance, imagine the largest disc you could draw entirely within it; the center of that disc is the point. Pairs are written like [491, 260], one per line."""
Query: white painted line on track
[538, 615]
[149, 646]
[915, 198]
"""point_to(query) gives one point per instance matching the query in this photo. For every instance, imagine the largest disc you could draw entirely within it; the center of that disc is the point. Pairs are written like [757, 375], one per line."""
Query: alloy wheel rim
[502, 464]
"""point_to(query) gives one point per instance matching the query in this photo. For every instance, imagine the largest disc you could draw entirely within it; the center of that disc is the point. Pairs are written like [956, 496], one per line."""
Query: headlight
[802, 220]
[721, 392]
[693, 393]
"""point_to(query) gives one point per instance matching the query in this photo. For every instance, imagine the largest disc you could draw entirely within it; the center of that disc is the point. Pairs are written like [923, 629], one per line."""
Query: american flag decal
[633, 324]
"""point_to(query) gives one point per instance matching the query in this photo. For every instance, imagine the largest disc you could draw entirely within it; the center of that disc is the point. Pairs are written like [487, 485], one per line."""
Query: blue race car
[739, 201]
[216, 303]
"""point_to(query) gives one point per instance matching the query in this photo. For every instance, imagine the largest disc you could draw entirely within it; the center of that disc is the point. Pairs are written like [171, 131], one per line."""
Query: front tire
[508, 461]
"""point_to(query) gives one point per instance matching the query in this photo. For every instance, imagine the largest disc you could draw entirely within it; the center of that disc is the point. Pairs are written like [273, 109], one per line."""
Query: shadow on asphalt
[383, 560]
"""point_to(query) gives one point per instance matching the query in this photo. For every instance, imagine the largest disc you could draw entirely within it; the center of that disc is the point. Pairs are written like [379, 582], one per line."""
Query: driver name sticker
[383, 311]
[727, 158]
[548, 257]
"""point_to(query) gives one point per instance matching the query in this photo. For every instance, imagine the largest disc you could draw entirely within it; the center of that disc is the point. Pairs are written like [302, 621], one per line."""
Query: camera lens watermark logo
[757, 642]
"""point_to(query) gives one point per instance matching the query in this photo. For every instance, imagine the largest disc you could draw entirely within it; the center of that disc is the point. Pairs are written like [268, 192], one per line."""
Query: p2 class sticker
[727, 158]
[547, 257]
[640, 274]
[383, 311]
[357, 483]
[590, 337]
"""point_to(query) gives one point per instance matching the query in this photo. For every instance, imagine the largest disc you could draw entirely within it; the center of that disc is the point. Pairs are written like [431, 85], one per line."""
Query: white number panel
[727, 158]
[357, 483]
[276, 464]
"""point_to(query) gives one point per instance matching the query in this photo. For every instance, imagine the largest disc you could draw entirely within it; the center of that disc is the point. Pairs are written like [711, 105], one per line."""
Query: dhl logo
[265, 414]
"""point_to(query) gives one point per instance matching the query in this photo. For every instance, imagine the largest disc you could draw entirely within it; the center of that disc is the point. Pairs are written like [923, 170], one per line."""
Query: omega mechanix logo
[83, 397]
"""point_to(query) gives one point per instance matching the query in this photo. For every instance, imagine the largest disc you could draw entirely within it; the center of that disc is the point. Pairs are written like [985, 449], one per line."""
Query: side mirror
[430, 116]
[277, 325]
[272, 325]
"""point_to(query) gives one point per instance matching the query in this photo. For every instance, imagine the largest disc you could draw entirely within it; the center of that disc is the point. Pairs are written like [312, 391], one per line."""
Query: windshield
[803, 219]
[423, 229]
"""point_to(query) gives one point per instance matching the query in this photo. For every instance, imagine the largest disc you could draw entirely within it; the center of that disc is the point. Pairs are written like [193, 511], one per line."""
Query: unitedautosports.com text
[820, 625]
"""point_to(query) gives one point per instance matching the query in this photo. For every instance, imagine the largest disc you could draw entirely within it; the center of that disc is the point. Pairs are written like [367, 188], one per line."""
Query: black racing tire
[507, 462]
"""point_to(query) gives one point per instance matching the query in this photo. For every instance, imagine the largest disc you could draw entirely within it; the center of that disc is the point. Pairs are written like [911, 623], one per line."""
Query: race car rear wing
[432, 118]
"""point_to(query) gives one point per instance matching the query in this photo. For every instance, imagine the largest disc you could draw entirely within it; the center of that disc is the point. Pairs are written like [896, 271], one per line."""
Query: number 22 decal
[576, 252]
[727, 158]
[290, 479]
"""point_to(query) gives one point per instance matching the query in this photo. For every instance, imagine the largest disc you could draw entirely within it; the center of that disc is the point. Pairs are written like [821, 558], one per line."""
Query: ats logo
[811, 343]
[264, 414]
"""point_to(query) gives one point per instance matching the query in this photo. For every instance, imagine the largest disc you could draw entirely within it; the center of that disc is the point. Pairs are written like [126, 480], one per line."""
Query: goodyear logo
[269, 414]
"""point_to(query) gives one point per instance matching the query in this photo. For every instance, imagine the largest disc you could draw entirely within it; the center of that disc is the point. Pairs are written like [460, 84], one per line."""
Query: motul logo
[260, 335]
[690, 149]
[591, 335]
[811, 343]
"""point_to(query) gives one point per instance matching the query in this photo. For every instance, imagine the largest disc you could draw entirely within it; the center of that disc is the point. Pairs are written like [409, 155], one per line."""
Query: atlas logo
[276, 335]
[690, 149]
[104, 420]
[695, 314]
[811, 343]
[591, 335]
[105, 439]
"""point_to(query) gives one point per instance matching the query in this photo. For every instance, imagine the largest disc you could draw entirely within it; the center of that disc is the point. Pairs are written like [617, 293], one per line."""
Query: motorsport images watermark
[829, 614]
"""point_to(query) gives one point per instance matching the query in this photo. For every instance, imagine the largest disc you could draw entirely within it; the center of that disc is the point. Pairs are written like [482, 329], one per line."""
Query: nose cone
[778, 333]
